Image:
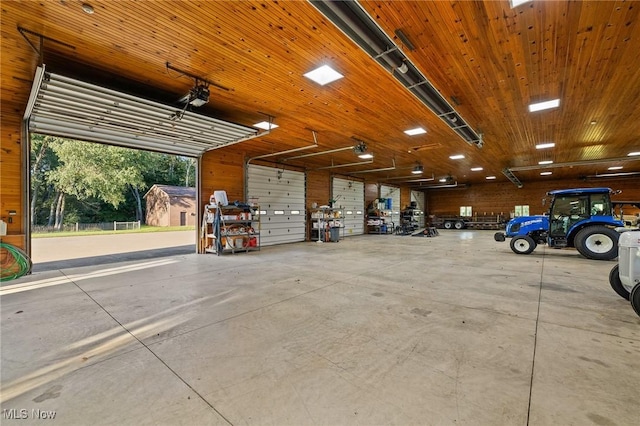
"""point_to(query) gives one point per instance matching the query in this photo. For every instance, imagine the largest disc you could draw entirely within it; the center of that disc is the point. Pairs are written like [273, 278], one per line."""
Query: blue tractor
[581, 218]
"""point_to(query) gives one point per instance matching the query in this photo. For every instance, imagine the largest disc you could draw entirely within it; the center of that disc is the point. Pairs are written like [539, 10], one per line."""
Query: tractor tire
[597, 242]
[448, 225]
[459, 224]
[616, 284]
[635, 299]
[523, 244]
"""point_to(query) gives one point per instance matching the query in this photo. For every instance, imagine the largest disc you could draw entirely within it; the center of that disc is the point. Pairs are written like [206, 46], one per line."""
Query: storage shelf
[321, 223]
[220, 234]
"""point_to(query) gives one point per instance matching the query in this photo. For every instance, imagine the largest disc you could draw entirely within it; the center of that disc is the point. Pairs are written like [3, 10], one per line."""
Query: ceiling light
[490, 177]
[199, 96]
[416, 131]
[545, 173]
[544, 105]
[323, 75]
[516, 3]
[418, 169]
[545, 145]
[456, 157]
[615, 168]
[87, 8]
[403, 68]
[366, 155]
[545, 162]
[442, 180]
[633, 154]
[265, 125]
[593, 122]
[476, 169]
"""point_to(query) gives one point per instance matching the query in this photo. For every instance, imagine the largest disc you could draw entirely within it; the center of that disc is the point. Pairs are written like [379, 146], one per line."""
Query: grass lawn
[143, 230]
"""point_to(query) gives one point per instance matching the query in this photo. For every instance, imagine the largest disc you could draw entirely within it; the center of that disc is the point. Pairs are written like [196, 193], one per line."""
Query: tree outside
[74, 181]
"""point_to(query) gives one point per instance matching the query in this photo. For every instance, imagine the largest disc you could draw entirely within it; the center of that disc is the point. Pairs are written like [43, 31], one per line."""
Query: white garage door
[349, 194]
[392, 192]
[280, 194]
[418, 198]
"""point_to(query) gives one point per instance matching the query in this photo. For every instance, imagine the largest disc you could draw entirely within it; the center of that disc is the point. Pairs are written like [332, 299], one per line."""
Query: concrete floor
[373, 330]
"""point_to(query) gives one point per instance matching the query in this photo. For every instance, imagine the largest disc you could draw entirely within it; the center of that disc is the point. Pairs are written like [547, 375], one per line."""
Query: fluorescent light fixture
[545, 173]
[490, 177]
[540, 106]
[416, 131]
[545, 162]
[615, 168]
[366, 156]
[477, 169]
[265, 125]
[545, 145]
[456, 157]
[443, 180]
[633, 154]
[323, 75]
[516, 3]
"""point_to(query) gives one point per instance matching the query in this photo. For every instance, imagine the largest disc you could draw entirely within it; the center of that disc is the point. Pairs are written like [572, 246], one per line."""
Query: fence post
[114, 225]
[76, 226]
[138, 225]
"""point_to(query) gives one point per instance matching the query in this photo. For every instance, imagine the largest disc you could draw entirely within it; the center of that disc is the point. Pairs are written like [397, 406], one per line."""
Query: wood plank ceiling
[488, 60]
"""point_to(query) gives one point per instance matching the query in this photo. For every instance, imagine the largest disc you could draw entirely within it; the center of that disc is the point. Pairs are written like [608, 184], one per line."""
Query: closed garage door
[349, 194]
[280, 194]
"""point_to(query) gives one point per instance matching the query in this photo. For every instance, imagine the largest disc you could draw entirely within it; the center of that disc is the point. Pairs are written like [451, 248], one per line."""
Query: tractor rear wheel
[597, 242]
[616, 284]
[523, 244]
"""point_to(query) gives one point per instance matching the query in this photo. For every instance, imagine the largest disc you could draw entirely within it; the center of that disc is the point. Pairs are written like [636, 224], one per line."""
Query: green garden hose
[14, 262]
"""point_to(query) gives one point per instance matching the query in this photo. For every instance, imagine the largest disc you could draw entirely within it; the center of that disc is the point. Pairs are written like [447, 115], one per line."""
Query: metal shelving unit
[231, 229]
[323, 222]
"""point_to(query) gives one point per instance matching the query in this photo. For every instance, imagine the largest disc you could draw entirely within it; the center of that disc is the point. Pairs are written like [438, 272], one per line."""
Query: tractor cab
[571, 210]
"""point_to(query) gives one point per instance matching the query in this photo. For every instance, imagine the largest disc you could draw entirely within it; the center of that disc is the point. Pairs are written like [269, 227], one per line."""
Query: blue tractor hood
[525, 224]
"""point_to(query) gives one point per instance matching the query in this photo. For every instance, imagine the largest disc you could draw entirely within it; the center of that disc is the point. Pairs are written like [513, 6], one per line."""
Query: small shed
[169, 205]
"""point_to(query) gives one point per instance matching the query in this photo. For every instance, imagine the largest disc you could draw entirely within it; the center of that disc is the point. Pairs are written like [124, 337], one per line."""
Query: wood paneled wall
[318, 187]
[500, 198]
[11, 193]
[222, 170]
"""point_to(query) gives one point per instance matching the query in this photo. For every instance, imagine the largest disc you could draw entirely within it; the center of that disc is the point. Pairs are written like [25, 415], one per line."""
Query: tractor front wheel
[597, 242]
[616, 284]
[523, 244]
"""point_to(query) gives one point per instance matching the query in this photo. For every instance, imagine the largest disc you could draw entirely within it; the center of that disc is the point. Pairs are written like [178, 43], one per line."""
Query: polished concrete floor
[373, 330]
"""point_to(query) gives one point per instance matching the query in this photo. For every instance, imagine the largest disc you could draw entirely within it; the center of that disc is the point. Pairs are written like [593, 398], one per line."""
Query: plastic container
[629, 258]
[335, 234]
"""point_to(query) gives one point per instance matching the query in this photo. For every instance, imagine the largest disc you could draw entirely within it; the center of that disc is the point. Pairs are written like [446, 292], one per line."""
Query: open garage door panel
[66, 107]
[281, 196]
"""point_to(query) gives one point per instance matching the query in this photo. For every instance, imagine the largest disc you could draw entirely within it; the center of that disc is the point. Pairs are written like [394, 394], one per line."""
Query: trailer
[468, 222]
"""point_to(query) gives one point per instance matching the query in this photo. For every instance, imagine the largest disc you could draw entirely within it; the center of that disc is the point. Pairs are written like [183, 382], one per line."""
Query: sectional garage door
[349, 194]
[281, 196]
[63, 106]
